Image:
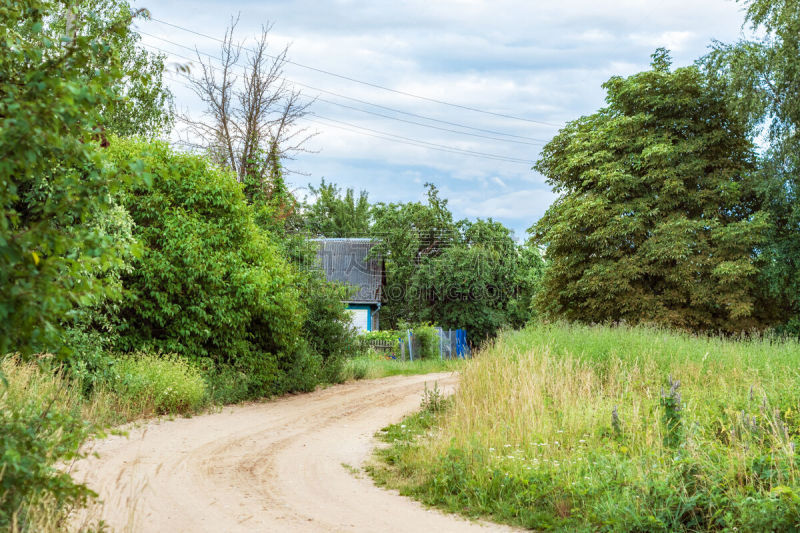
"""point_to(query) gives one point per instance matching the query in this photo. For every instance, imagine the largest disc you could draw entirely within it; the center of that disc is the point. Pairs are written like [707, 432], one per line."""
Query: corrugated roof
[345, 261]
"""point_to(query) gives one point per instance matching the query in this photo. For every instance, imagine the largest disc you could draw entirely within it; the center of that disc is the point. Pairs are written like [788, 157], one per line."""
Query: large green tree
[407, 235]
[657, 219]
[331, 213]
[53, 174]
[482, 281]
[143, 103]
[761, 77]
[464, 274]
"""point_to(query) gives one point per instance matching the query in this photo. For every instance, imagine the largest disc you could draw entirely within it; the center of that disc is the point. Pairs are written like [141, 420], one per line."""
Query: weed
[433, 401]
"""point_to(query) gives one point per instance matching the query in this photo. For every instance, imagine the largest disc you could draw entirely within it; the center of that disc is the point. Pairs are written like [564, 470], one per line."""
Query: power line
[400, 139]
[395, 110]
[386, 135]
[428, 125]
[369, 84]
[415, 114]
[415, 142]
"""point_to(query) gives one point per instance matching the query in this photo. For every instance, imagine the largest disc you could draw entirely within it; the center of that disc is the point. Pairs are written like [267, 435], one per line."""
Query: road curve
[283, 465]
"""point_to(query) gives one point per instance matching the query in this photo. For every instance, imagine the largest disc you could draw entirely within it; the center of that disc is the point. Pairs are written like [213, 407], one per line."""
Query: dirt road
[285, 465]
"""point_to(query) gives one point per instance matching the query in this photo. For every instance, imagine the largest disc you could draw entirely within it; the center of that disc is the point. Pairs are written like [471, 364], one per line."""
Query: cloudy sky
[523, 68]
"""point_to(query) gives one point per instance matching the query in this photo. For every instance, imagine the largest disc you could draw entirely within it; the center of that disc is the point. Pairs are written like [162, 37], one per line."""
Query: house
[345, 261]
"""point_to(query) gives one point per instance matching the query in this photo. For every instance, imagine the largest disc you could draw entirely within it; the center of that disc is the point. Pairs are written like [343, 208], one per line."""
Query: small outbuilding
[348, 261]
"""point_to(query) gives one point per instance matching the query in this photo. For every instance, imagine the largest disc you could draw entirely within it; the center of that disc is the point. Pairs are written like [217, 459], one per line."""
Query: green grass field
[624, 429]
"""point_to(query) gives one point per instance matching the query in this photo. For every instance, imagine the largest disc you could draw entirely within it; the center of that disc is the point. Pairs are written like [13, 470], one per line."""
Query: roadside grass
[45, 417]
[573, 427]
[374, 366]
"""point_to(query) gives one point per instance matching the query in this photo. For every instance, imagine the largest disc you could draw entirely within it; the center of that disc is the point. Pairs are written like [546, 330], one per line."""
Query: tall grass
[41, 424]
[158, 384]
[45, 418]
[615, 428]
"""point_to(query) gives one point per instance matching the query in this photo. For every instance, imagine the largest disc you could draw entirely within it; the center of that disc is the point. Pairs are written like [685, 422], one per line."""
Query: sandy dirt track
[275, 466]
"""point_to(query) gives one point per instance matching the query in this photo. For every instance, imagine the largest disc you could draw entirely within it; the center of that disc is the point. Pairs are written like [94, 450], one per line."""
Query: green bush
[226, 385]
[40, 425]
[91, 328]
[327, 327]
[167, 384]
[209, 284]
[428, 341]
[306, 372]
[384, 335]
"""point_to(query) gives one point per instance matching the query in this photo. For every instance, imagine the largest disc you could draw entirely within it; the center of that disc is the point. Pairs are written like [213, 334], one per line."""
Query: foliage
[357, 368]
[332, 214]
[433, 399]
[327, 333]
[40, 425]
[385, 335]
[571, 427]
[408, 234]
[160, 384]
[91, 330]
[276, 208]
[142, 103]
[527, 280]
[53, 177]
[374, 365]
[472, 283]
[658, 218]
[209, 285]
[461, 274]
[427, 340]
[327, 328]
[761, 78]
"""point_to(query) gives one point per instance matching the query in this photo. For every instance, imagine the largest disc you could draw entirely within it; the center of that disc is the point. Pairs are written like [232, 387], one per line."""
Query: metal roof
[345, 261]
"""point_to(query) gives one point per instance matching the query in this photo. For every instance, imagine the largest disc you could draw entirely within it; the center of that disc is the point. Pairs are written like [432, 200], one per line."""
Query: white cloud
[541, 60]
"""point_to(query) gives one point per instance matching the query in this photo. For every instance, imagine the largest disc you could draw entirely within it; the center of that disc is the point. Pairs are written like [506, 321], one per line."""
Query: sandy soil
[285, 465]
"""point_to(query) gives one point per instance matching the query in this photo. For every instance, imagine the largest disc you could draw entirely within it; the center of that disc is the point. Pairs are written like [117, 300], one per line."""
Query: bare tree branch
[251, 110]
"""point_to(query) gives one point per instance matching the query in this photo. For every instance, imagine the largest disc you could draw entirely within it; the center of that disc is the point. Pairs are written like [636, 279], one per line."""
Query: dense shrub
[91, 329]
[158, 384]
[209, 284]
[328, 328]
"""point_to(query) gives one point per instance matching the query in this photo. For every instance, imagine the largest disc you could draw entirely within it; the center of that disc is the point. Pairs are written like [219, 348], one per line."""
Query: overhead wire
[350, 98]
[400, 139]
[461, 150]
[367, 83]
[378, 134]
